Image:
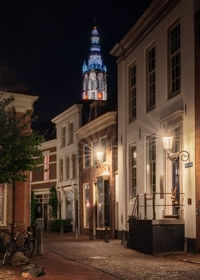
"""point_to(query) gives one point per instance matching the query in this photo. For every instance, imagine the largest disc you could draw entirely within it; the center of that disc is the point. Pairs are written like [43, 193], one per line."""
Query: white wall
[150, 123]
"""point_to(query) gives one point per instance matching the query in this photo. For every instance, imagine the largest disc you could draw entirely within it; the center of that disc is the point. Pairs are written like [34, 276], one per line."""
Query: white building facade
[156, 98]
[67, 158]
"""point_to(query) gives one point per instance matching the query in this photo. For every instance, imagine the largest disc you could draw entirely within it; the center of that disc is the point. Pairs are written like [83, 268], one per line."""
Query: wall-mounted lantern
[168, 144]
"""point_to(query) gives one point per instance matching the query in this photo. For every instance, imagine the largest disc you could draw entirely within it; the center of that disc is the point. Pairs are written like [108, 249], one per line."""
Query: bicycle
[27, 247]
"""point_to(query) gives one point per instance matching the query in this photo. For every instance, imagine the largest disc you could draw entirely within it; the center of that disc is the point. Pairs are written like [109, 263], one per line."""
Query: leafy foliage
[19, 147]
[55, 226]
[53, 201]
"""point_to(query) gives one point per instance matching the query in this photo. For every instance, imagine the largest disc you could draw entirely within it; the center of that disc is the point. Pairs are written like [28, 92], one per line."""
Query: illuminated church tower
[94, 73]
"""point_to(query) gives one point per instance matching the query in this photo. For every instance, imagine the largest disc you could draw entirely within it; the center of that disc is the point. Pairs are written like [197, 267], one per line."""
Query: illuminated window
[103, 203]
[63, 136]
[151, 163]
[69, 204]
[61, 169]
[132, 93]
[86, 156]
[151, 77]
[177, 140]
[67, 168]
[94, 152]
[86, 205]
[103, 148]
[70, 132]
[74, 171]
[133, 171]
[1, 203]
[174, 46]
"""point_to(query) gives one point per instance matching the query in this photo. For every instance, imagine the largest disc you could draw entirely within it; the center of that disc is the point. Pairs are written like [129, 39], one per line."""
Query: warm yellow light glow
[167, 142]
[87, 204]
[99, 156]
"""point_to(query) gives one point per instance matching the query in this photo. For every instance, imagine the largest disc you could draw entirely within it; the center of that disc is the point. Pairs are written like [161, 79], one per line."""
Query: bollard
[39, 243]
[61, 228]
[106, 235]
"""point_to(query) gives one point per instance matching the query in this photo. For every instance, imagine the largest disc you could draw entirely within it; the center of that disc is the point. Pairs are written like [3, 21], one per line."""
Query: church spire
[94, 72]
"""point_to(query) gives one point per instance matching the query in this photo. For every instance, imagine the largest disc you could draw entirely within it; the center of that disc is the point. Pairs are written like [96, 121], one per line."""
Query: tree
[53, 202]
[19, 146]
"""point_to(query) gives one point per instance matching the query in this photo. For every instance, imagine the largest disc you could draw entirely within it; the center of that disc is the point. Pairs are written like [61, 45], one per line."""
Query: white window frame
[132, 94]
[174, 55]
[70, 132]
[132, 168]
[151, 78]
[84, 156]
[63, 136]
[151, 163]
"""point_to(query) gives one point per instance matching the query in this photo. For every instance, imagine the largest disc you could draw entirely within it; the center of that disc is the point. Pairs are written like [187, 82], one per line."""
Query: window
[46, 167]
[151, 163]
[151, 78]
[74, 171]
[63, 136]
[174, 46]
[1, 203]
[132, 93]
[86, 156]
[94, 153]
[70, 132]
[61, 169]
[86, 205]
[67, 168]
[42, 206]
[177, 140]
[69, 204]
[103, 148]
[133, 172]
[103, 203]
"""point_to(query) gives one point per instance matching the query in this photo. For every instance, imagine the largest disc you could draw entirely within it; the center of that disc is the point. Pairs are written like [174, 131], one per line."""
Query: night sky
[44, 45]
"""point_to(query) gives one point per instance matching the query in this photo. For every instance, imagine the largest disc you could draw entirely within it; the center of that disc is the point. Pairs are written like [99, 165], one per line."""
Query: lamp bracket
[183, 155]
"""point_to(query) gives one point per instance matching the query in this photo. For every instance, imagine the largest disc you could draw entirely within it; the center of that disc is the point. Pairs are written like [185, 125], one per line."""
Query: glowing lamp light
[167, 143]
[87, 204]
[99, 156]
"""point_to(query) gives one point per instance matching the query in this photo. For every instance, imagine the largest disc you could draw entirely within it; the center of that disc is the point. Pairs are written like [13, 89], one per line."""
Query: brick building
[22, 103]
[97, 175]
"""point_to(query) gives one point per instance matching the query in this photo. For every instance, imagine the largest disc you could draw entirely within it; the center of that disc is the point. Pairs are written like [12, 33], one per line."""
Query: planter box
[151, 237]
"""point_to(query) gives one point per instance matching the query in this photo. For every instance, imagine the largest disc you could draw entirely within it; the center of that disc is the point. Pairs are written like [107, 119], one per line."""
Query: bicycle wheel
[29, 247]
[8, 254]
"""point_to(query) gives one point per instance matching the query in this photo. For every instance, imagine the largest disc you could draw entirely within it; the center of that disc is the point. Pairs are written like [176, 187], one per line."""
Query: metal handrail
[137, 205]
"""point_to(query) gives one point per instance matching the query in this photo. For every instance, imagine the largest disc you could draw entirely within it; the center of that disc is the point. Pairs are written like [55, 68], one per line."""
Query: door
[175, 187]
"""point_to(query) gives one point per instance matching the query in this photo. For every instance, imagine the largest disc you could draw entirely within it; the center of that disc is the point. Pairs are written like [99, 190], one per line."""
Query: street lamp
[167, 145]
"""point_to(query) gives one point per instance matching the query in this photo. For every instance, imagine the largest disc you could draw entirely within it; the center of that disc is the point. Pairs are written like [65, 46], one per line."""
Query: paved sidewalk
[68, 257]
[121, 262]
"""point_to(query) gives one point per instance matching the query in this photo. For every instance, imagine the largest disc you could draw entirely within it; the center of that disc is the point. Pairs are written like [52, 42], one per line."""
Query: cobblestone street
[118, 261]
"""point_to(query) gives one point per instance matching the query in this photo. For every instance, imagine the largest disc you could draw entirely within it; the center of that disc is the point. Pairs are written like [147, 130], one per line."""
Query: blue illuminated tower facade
[94, 72]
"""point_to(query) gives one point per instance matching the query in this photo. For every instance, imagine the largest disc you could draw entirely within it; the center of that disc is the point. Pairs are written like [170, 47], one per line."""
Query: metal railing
[147, 204]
